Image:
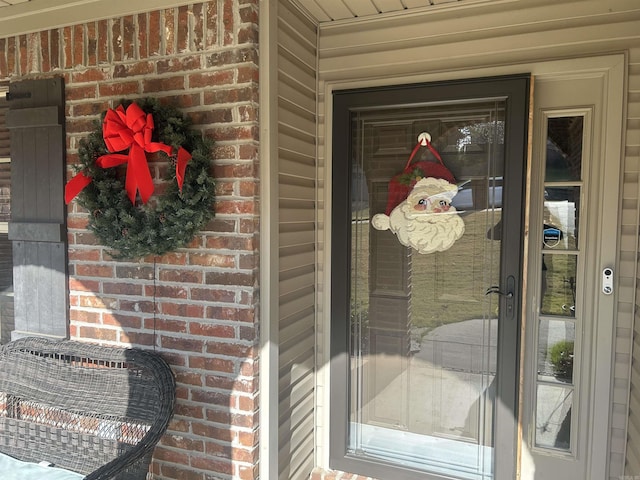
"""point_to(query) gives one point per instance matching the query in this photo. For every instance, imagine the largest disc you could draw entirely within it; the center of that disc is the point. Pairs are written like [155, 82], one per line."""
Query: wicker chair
[95, 410]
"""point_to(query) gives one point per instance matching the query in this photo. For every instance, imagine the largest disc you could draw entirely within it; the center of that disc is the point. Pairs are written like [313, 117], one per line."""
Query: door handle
[496, 289]
[508, 294]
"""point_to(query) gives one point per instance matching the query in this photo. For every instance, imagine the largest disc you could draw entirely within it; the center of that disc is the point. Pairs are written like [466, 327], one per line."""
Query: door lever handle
[496, 289]
[508, 295]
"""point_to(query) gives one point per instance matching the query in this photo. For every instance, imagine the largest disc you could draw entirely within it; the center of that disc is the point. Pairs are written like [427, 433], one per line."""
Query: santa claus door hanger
[419, 210]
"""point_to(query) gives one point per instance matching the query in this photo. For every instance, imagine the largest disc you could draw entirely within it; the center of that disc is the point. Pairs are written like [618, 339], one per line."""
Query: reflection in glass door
[432, 330]
[424, 331]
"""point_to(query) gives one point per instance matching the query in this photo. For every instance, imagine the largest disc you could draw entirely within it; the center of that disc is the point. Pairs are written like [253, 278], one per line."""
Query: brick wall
[197, 306]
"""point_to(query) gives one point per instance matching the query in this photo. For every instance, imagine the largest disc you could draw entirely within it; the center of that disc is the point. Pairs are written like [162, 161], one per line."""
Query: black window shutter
[38, 215]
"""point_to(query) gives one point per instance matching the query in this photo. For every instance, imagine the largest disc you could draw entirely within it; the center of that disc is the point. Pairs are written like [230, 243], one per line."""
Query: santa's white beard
[426, 232]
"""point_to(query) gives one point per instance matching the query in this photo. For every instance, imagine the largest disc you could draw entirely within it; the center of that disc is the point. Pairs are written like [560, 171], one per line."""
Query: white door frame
[601, 364]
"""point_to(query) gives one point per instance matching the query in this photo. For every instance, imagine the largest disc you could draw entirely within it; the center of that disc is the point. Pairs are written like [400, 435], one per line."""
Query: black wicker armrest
[95, 410]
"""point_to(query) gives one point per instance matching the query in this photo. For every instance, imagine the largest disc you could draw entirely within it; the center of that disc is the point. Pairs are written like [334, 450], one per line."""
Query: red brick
[211, 464]
[97, 301]
[164, 291]
[212, 260]
[122, 288]
[78, 45]
[181, 344]
[74, 92]
[182, 29]
[137, 338]
[102, 43]
[249, 225]
[192, 411]
[3, 58]
[143, 48]
[84, 255]
[137, 273]
[183, 443]
[189, 378]
[249, 189]
[124, 321]
[214, 115]
[227, 21]
[230, 243]
[182, 101]
[171, 455]
[182, 310]
[247, 439]
[92, 44]
[175, 64]
[165, 325]
[229, 349]
[229, 313]
[93, 109]
[213, 364]
[197, 27]
[212, 330]
[230, 95]
[169, 31]
[248, 152]
[12, 55]
[211, 27]
[213, 295]
[154, 85]
[128, 38]
[83, 285]
[173, 471]
[248, 34]
[244, 170]
[77, 222]
[80, 125]
[67, 47]
[229, 278]
[232, 207]
[155, 33]
[248, 472]
[44, 51]
[248, 262]
[133, 69]
[211, 79]
[247, 333]
[209, 398]
[97, 333]
[89, 75]
[210, 431]
[116, 39]
[91, 270]
[227, 133]
[173, 258]
[118, 88]
[140, 306]
[22, 55]
[181, 276]
[84, 316]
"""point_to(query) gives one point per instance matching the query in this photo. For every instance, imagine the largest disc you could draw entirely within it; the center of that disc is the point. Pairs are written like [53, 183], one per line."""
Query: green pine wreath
[169, 220]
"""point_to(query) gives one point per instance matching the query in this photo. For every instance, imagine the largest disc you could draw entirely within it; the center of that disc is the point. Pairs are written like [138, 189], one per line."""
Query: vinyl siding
[485, 40]
[296, 147]
[629, 243]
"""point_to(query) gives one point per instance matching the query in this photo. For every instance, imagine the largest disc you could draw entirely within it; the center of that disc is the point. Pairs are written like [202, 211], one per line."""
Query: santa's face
[432, 205]
[426, 220]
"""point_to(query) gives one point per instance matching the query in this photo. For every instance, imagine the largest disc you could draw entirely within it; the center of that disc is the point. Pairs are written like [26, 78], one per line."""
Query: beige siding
[296, 147]
[486, 40]
[629, 245]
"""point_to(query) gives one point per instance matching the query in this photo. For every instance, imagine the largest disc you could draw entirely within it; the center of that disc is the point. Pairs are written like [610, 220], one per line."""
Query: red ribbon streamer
[130, 129]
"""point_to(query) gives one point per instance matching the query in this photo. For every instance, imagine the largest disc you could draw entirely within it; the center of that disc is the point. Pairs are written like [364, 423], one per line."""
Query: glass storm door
[426, 271]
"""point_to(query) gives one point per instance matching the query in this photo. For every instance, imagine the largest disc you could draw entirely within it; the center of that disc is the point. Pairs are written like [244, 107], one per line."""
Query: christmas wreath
[123, 213]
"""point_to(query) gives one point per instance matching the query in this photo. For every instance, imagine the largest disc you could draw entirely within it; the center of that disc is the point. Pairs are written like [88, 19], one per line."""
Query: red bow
[130, 129]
